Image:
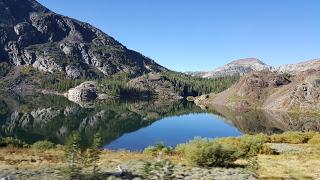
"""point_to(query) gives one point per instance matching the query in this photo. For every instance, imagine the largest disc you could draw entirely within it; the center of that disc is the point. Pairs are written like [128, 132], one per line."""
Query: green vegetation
[117, 85]
[59, 82]
[43, 145]
[73, 155]
[77, 158]
[207, 153]
[250, 151]
[4, 69]
[12, 142]
[160, 169]
[194, 86]
[92, 154]
[159, 148]
[315, 139]
[287, 75]
[291, 137]
[225, 151]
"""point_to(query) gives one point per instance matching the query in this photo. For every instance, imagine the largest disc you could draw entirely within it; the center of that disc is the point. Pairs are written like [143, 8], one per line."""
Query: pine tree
[73, 155]
[93, 153]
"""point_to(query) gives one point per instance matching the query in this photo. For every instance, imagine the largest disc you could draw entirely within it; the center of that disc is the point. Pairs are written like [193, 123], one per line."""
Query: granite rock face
[85, 92]
[31, 34]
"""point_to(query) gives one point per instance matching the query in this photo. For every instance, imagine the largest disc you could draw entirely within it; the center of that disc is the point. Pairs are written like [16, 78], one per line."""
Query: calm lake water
[174, 130]
[136, 125]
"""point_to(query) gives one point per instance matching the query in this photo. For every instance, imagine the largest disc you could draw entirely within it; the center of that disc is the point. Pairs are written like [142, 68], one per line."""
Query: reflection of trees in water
[257, 121]
[36, 117]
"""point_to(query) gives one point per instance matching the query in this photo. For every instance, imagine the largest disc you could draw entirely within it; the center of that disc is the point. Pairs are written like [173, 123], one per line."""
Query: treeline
[59, 84]
[187, 85]
[117, 85]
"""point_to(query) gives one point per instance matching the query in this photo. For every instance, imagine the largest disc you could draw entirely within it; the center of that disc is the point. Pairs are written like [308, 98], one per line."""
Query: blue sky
[193, 35]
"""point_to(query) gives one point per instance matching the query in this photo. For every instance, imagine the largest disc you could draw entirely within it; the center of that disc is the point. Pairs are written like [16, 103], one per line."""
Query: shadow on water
[38, 117]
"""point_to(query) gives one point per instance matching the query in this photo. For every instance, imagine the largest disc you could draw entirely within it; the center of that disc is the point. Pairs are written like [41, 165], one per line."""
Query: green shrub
[247, 145]
[160, 169]
[206, 153]
[255, 143]
[290, 137]
[158, 148]
[315, 139]
[4, 69]
[43, 145]
[266, 149]
[12, 142]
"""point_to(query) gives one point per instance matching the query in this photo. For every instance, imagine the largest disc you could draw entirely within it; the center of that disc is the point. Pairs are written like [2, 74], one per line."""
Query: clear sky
[193, 35]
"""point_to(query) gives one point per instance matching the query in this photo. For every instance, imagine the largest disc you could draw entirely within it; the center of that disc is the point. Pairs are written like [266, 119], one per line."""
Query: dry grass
[24, 158]
[30, 159]
[293, 165]
[299, 165]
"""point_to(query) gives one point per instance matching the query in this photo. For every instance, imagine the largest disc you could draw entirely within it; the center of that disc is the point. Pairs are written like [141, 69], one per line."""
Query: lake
[134, 125]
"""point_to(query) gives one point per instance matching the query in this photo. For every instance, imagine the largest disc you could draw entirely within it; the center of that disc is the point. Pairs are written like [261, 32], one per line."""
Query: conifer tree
[73, 155]
[93, 153]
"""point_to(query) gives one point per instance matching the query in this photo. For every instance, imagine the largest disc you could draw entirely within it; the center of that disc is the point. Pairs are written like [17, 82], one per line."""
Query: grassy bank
[292, 155]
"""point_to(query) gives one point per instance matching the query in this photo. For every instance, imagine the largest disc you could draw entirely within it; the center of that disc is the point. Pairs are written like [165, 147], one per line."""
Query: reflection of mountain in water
[253, 121]
[36, 117]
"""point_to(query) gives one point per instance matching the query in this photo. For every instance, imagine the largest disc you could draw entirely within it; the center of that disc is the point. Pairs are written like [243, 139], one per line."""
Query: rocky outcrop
[30, 34]
[159, 85]
[271, 91]
[299, 67]
[84, 93]
[302, 94]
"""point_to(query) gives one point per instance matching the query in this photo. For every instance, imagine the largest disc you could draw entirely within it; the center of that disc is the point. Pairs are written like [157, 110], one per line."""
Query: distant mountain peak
[247, 61]
[238, 67]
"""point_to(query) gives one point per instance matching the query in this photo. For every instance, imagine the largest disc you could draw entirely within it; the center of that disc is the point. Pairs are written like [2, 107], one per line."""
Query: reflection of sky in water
[175, 130]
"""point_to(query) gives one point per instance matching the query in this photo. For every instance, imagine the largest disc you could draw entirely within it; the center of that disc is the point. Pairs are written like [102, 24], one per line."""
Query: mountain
[31, 34]
[299, 67]
[299, 92]
[237, 67]
[245, 66]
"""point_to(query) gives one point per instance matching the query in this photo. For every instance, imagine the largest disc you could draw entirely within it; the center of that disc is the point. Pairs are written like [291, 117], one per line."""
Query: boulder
[85, 92]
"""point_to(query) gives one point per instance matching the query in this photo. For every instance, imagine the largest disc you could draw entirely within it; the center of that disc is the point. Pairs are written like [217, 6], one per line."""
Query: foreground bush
[291, 137]
[43, 145]
[206, 153]
[248, 145]
[157, 149]
[160, 169]
[315, 139]
[12, 142]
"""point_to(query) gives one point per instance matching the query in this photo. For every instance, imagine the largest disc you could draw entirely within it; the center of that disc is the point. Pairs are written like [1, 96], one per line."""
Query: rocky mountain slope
[237, 67]
[31, 34]
[271, 91]
[299, 67]
[248, 65]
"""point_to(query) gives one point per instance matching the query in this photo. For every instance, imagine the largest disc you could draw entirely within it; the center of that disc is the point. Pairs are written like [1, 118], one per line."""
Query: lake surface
[134, 125]
[174, 130]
